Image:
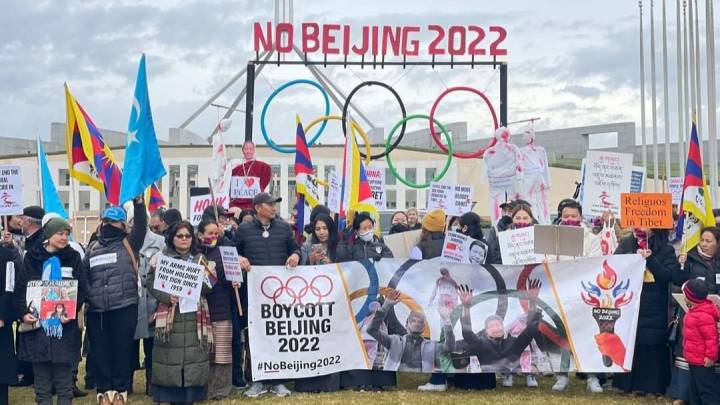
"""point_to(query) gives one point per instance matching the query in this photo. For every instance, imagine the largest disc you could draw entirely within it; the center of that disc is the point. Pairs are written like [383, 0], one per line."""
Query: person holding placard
[650, 369]
[8, 371]
[182, 339]
[470, 224]
[54, 348]
[522, 217]
[249, 178]
[701, 262]
[219, 302]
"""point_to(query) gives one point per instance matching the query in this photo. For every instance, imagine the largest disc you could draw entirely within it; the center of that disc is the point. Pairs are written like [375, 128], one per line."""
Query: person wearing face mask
[399, 223]
[701, 262]
[226, 235]
[219, 301]
[521, 217]
[650, 369]
[112, 267]
[54, 348]
[362, 243]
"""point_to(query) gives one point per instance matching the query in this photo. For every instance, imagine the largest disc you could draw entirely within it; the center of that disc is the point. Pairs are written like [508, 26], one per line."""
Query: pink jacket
[700, 334]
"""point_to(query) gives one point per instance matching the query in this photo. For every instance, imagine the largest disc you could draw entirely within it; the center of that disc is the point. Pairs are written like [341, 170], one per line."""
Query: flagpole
[686, 90]
[691, 67]
[642, 92]
[712, 119]
[39, 167]
[698, 92]
[679, 77]
[666, 105]
[653, 96]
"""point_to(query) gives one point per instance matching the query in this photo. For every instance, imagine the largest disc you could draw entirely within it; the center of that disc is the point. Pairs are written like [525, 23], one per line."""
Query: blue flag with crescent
[50, 198]
[143, 164]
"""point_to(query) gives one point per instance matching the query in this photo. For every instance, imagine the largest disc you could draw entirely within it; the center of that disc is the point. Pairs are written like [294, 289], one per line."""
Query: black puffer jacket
[271, 251]
[36, 346]
[432, 246]
[219, 297]
[112, 279]
[8, 371]
[356, 249]
[653, 318]
[695, 267]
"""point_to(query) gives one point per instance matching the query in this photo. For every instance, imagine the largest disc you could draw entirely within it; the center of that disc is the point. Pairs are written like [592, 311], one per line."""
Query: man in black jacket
[266, 241]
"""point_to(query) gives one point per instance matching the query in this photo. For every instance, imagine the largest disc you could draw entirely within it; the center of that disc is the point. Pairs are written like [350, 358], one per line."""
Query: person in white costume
[503, 171]
[536, 176]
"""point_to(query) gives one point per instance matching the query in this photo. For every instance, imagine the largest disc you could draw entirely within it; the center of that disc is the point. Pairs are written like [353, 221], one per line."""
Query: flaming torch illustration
[606, 296]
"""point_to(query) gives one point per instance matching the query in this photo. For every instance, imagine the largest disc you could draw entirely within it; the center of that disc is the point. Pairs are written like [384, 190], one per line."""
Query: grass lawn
[405, 394]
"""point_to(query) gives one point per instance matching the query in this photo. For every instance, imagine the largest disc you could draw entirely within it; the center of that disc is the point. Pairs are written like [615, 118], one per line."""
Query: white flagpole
[691, 67]
[653, 96]
[666, 105]
[642, 91]
[680, 79]
[39, 168]
[698, 84]
[712, 119]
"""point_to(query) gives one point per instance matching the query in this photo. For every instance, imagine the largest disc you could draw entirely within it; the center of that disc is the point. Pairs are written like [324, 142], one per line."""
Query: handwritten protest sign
[459, 248]
[376, 178]
[333, 197]
[244, 187]
[675, 187]
[454, 199]
[607, 175]
[517, 246]
[52, 299]
[178, 277]
[11, 202]
[231, 263]
[200, 198]
[646, 210]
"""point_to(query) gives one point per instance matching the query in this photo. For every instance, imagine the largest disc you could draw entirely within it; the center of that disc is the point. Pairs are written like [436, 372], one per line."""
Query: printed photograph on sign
[459, 248]
[53, 299]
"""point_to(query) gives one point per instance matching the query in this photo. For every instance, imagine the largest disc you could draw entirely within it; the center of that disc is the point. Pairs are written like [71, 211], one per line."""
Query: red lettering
[221, 201]
[410, 47]
[261, 38]
[362, 50]
[502, 34]
[453, 33]
[284, 28]
[310, 32]
[391, 36]
[433, 48]
[374, 45]
[346, 40]
[200, 205]
[329, 39]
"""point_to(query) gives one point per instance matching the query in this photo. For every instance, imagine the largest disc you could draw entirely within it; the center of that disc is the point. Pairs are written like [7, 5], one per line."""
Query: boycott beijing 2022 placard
[430, 316]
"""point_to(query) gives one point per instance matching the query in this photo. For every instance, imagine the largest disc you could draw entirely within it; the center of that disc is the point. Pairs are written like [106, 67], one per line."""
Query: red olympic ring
[436, 137]
[296, 294]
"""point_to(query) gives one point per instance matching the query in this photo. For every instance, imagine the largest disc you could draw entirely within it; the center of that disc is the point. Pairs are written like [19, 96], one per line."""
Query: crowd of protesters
[204, 353]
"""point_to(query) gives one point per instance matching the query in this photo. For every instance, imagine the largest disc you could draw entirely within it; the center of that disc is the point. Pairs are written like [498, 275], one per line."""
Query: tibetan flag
[89, 158]
[143, 164]
[306, 184]
[696, 207]
[50, 198]
[154, 199]
[355, 193]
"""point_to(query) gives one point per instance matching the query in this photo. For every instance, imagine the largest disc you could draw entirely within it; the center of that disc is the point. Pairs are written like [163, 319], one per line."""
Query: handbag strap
[135, 264]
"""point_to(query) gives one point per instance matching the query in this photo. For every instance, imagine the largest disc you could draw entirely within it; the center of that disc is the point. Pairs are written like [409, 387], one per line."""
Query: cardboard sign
[459, 248]
[560, 240]
[231, 263]
[198, 203]
[244, 187]
[646, 210]
[376, 178]
[48, 299]
[400, 244]
[179, 277]
[333, 197]
[517, 246]
[11, 202]
[607, 175]
[675, 187]
[454, 199]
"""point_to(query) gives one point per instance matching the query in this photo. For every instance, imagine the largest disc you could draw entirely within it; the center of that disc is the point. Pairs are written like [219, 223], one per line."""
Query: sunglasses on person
[183, 236]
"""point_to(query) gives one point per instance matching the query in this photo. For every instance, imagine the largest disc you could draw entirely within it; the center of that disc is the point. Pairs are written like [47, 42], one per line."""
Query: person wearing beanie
[171, 217]
[54, 348]
[700, 343]
[431, 237]
[112, 264]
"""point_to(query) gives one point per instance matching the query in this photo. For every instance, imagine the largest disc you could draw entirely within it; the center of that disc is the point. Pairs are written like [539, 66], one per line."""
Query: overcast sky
[570, 62]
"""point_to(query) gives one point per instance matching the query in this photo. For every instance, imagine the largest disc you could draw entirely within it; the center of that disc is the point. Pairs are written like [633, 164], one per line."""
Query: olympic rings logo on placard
[296, 288]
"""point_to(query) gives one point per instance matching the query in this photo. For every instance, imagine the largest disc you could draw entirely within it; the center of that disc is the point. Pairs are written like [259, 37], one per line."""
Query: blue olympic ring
[373, 289]
[320, 130]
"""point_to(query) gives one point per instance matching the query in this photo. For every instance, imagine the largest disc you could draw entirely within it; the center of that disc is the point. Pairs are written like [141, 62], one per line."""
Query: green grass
[406, 393]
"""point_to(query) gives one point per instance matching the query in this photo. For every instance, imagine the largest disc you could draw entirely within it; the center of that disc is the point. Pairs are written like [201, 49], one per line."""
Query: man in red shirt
[249, 178]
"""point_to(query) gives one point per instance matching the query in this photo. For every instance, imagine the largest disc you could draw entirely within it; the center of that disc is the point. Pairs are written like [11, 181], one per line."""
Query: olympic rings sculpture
[287, 289]
[388, 148]
[402, 108]
[263, 129]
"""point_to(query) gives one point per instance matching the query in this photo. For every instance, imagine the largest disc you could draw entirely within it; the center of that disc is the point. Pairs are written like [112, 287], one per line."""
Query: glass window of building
[411, 174]
[192, 176]
[63, 177]
[174, 183]
[389, 178]
[84, 200]
[430, 173]
[410, 198]
[391, 199]
[65, 198]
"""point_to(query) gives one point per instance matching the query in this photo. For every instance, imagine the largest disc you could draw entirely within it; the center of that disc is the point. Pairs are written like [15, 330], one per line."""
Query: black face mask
[397, 228]
[110, 232]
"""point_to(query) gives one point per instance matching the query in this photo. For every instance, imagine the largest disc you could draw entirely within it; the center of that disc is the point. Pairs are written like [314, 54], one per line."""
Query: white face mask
[366, 237]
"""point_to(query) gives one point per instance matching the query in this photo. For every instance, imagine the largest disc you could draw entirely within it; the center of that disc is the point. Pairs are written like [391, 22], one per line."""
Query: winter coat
[180, 361]
[662, 264]
[432, 246]
[357, 249]
[111, 276]
[8, 371]
[700, 333]
[271, 251]
[147, 304]
[696, 266]
[35, 346]
[219, 297]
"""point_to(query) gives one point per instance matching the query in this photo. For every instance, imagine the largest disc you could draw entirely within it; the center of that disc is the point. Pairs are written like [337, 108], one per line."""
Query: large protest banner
[568, 315]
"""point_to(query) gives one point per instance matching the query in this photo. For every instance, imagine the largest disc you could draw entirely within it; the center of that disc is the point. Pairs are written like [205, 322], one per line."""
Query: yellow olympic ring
[354, 127]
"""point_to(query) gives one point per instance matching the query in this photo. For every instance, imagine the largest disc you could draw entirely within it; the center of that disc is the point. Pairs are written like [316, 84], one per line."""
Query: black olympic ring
[402, 108]
[298, 295]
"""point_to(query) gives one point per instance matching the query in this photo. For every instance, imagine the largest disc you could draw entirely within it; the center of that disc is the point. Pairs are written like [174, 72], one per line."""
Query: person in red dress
[247, 174]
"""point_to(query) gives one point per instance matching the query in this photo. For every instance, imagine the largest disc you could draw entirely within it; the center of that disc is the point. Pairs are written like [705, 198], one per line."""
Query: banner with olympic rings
[428, 316]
